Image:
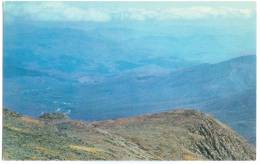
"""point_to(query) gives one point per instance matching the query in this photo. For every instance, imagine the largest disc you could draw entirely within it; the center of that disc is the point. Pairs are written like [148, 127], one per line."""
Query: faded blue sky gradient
[103, 12]
[197, 31]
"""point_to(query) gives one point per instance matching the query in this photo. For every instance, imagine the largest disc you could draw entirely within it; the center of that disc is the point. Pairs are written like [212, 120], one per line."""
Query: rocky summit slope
[175, 135]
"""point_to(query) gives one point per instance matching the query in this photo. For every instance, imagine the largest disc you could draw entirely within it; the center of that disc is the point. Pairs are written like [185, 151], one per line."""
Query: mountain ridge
[173, 135]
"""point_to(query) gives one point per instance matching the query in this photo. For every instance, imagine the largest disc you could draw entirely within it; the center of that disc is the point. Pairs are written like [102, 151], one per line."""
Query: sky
[199, 31]
[105, 12]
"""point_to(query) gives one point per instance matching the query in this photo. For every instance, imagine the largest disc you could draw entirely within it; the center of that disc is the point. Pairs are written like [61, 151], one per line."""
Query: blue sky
[104, 12]
[199, 31]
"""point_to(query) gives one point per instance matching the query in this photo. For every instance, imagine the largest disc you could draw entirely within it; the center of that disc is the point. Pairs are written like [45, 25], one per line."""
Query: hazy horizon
[98, 60]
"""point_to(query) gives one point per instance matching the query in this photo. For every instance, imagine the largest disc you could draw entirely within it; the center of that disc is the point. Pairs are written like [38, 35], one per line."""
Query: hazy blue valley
[108, 70]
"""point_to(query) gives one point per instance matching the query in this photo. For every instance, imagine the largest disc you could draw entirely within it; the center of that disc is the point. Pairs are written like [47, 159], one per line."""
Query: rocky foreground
[174, 135]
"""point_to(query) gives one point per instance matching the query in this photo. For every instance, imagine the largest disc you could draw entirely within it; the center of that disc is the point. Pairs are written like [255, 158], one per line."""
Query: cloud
[183, 13]
[62, 11]
[53, 11]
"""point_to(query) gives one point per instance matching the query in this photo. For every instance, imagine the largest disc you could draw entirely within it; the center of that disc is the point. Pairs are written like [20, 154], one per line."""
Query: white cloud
[54, 11]
[58, 11]
[183, 13]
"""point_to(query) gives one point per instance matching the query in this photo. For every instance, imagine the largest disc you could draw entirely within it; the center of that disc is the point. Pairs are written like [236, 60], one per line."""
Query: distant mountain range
[226, 89]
